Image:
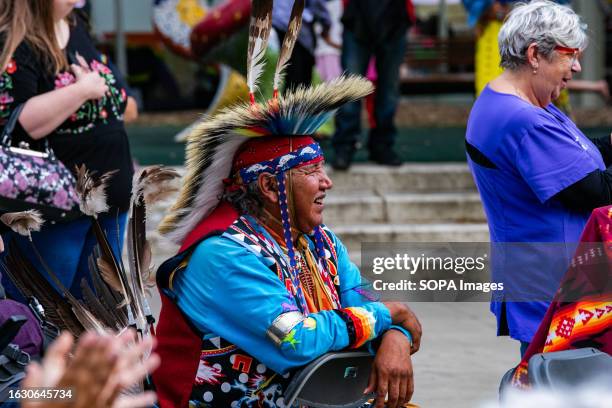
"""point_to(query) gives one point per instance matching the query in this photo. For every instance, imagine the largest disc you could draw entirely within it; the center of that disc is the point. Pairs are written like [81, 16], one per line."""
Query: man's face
[310, 184]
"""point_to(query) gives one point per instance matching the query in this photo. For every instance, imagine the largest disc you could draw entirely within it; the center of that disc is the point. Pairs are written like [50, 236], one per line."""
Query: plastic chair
[334, 380]
[506, 382]
[561, 369]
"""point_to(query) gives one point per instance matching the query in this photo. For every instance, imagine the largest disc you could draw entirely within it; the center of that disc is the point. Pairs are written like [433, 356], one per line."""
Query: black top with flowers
[94, 135]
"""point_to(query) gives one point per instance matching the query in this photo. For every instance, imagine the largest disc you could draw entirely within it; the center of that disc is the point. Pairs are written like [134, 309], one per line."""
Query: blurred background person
[83, 10]
[372, 28]
[328, 51]
[302, 61]
[75, 100]
[538, 175]
[487, 16]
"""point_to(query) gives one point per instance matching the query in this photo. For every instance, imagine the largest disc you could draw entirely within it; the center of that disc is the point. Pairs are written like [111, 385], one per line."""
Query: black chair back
[561, 369]
[334, 380]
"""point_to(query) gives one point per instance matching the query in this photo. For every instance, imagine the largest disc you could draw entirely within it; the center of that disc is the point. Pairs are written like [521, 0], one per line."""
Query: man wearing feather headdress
[260, 286]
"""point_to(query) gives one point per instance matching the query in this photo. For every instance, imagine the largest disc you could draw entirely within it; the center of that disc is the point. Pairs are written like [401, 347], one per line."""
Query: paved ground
[461, 361]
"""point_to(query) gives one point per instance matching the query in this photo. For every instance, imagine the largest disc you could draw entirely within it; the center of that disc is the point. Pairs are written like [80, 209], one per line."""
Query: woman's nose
[576, 67]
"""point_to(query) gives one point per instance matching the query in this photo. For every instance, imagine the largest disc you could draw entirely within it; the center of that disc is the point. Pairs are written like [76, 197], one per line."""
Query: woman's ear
[268, 187]
[533, 56]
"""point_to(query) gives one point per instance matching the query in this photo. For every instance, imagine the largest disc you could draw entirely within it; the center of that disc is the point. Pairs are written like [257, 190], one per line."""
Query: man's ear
[268, 187]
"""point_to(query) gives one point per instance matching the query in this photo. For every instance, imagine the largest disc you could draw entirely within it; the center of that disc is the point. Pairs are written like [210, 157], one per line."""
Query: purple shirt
[537, 153]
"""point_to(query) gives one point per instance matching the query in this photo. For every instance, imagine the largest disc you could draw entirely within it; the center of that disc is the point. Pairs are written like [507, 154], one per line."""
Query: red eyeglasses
[574, 52]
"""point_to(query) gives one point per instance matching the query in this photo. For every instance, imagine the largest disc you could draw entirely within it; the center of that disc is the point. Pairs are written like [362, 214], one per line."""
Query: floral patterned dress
[94, 135]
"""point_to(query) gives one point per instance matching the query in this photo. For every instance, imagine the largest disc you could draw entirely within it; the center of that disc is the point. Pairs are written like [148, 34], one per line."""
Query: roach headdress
[245, 140]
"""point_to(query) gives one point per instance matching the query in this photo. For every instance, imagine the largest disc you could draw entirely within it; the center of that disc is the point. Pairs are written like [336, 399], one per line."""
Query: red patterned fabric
[586, 321]
[221, 218]
[179, 346]
[266, 148]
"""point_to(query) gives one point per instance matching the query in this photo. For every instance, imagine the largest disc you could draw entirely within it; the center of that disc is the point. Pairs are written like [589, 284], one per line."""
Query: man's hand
[392, 371]
[402, 315]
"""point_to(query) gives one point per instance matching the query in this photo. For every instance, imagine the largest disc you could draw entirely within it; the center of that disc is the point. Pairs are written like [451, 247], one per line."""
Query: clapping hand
[103, 366]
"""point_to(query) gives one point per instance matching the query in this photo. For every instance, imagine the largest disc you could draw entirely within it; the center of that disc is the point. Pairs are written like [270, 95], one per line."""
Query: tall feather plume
[259, 33]
[24, 222]
[293, 30]
[92, 191]
[150, 184]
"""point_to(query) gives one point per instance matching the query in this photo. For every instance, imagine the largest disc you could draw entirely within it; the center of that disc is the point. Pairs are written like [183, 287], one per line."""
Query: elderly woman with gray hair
[538, 175]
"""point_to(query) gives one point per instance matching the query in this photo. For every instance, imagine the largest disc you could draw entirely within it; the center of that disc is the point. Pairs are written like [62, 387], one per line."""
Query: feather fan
[293, 30]
[259, 33]
[24, 223]
[31, 283]
[113, 273]
[91, 191]
[111, 300]
[84, 316]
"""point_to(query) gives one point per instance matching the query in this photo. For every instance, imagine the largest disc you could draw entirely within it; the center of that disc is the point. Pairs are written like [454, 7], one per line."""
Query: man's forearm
[399, 312]
[402, 316]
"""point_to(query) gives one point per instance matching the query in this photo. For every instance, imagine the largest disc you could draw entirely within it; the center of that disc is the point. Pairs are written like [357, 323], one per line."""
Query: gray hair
[542, 22]
[247, 201]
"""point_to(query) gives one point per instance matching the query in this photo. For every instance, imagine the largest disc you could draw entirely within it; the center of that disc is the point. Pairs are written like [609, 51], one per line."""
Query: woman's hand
[402, 315]
[90, 82]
